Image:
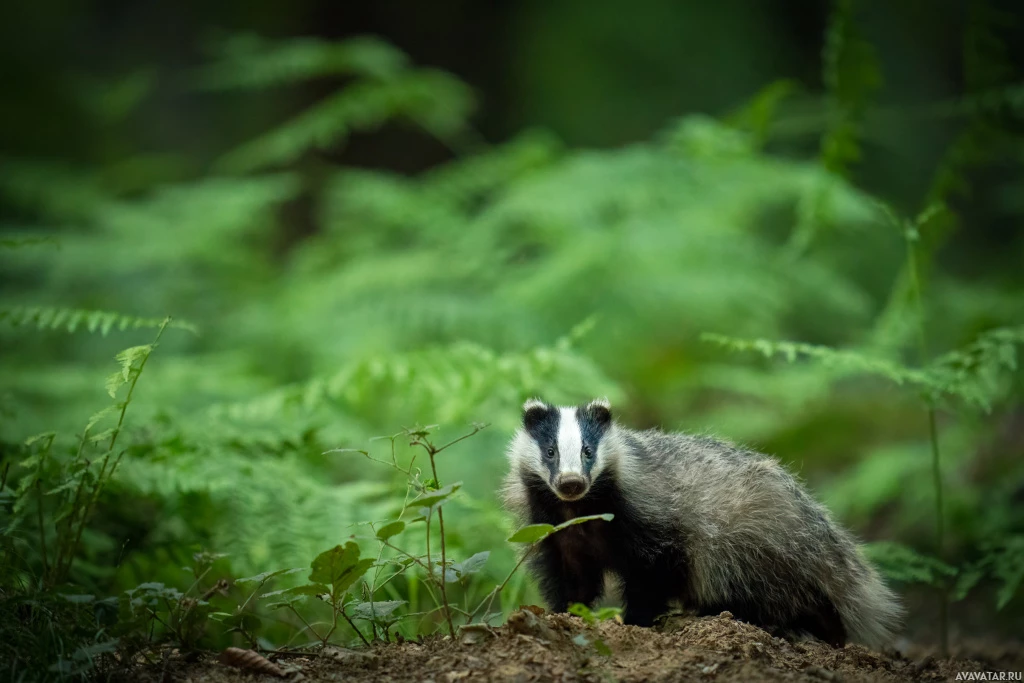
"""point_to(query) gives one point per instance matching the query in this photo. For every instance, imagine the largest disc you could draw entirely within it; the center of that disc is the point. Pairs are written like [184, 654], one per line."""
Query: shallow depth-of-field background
[364, 220]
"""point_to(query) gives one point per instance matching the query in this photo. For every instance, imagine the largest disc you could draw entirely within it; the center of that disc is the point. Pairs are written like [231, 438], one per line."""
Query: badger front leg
[646, 592]
[565, 579]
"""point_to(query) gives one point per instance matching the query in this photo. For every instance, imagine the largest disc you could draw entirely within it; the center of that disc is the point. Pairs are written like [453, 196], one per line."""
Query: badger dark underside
[652, 564]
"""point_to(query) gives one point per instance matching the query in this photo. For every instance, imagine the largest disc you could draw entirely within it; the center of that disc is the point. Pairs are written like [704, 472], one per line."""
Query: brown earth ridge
[559, 647]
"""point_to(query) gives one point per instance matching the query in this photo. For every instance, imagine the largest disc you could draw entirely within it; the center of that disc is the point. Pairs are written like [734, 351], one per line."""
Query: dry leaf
[248, 660]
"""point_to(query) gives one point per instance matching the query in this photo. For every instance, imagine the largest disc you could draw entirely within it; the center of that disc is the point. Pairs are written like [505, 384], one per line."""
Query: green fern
[1003, 561]
[756, 116]
[851, 75]
[252, 62]
[978, 373]
[829, 358]
[432, 99]
[70, 319]
[904, 564]
[973, 374]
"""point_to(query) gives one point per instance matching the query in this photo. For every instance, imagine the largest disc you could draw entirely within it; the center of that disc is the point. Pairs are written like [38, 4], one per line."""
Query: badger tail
[870, 610]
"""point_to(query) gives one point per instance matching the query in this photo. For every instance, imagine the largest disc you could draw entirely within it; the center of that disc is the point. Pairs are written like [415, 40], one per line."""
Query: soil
[534, 646]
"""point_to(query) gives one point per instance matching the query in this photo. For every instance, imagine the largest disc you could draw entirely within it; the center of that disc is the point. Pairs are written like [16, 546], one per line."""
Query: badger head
[563, 445]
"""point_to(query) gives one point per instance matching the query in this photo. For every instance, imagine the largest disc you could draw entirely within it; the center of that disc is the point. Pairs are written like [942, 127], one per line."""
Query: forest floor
[558, 647]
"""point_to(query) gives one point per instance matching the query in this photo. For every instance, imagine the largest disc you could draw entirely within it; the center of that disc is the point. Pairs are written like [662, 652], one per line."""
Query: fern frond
[845, 361]
[251, 62]
[851, 73]
[972, 374]
[71, 319]
[435, 100]
[466, 178]
[902, 563]
[702, 137]
[977, 372]
[456, 384]
[59, 192]
[757, 114]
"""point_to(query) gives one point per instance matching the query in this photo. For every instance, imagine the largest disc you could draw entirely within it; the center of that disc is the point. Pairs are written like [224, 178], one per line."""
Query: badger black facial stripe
[593, 423]
[543, 428]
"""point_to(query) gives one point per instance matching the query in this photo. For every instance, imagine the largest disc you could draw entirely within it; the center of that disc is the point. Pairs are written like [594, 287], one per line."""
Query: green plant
[591, 618]
[65, 486]
[422, 501]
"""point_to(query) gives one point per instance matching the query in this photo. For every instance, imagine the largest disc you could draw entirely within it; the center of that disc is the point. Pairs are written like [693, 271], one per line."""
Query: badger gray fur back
[698, 521]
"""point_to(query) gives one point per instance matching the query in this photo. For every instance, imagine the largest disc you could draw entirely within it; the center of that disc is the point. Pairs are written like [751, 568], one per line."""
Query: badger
[697, 522]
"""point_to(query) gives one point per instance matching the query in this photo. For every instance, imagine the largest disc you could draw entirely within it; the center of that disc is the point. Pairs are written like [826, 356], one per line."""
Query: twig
[489, 599]
[352, 624]
[309, 627]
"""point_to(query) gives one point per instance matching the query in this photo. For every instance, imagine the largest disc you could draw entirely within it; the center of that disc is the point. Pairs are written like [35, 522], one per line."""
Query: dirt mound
[558, 647]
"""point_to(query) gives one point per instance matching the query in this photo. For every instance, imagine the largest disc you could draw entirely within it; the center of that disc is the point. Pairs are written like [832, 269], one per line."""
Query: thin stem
[940, 532]
[358, 632]
[476, 430]
[417, 561]
[444, 560]
[430, 562]
[42, 526]
[59, 559]
[933, 436]
[936, 479]
[489, 599]
[309, 627]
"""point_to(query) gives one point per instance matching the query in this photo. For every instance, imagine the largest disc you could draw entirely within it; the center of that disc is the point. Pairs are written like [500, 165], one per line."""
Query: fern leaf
[848, 361]
[435, 100]
[851, 75]
[977, 372]
[70, 319]
[251, 62]
[756, 115]
[902, 563]
[972, 374]
[456, 383]
[127, 359]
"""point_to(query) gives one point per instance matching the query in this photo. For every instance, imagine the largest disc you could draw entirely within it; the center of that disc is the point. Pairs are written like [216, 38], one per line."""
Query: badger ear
[600, 410]
[534, 410]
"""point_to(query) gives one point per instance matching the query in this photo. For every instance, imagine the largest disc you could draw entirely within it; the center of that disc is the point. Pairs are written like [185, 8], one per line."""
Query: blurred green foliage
[316, 304]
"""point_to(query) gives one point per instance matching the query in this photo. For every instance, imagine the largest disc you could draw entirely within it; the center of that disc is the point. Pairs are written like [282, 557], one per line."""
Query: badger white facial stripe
[570, 443]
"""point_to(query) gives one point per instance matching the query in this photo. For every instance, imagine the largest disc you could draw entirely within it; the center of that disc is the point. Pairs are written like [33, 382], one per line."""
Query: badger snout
[570, 486]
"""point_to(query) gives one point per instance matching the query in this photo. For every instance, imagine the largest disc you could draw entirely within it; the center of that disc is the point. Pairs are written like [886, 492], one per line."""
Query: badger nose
[570, 485]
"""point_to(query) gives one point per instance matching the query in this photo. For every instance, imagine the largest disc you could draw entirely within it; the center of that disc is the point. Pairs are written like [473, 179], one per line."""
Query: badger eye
[587, 452]
[551, 452]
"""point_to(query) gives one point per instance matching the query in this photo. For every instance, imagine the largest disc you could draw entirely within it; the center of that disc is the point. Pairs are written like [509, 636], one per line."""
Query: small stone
[343, 655]
[471, 634]
[528, 623]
